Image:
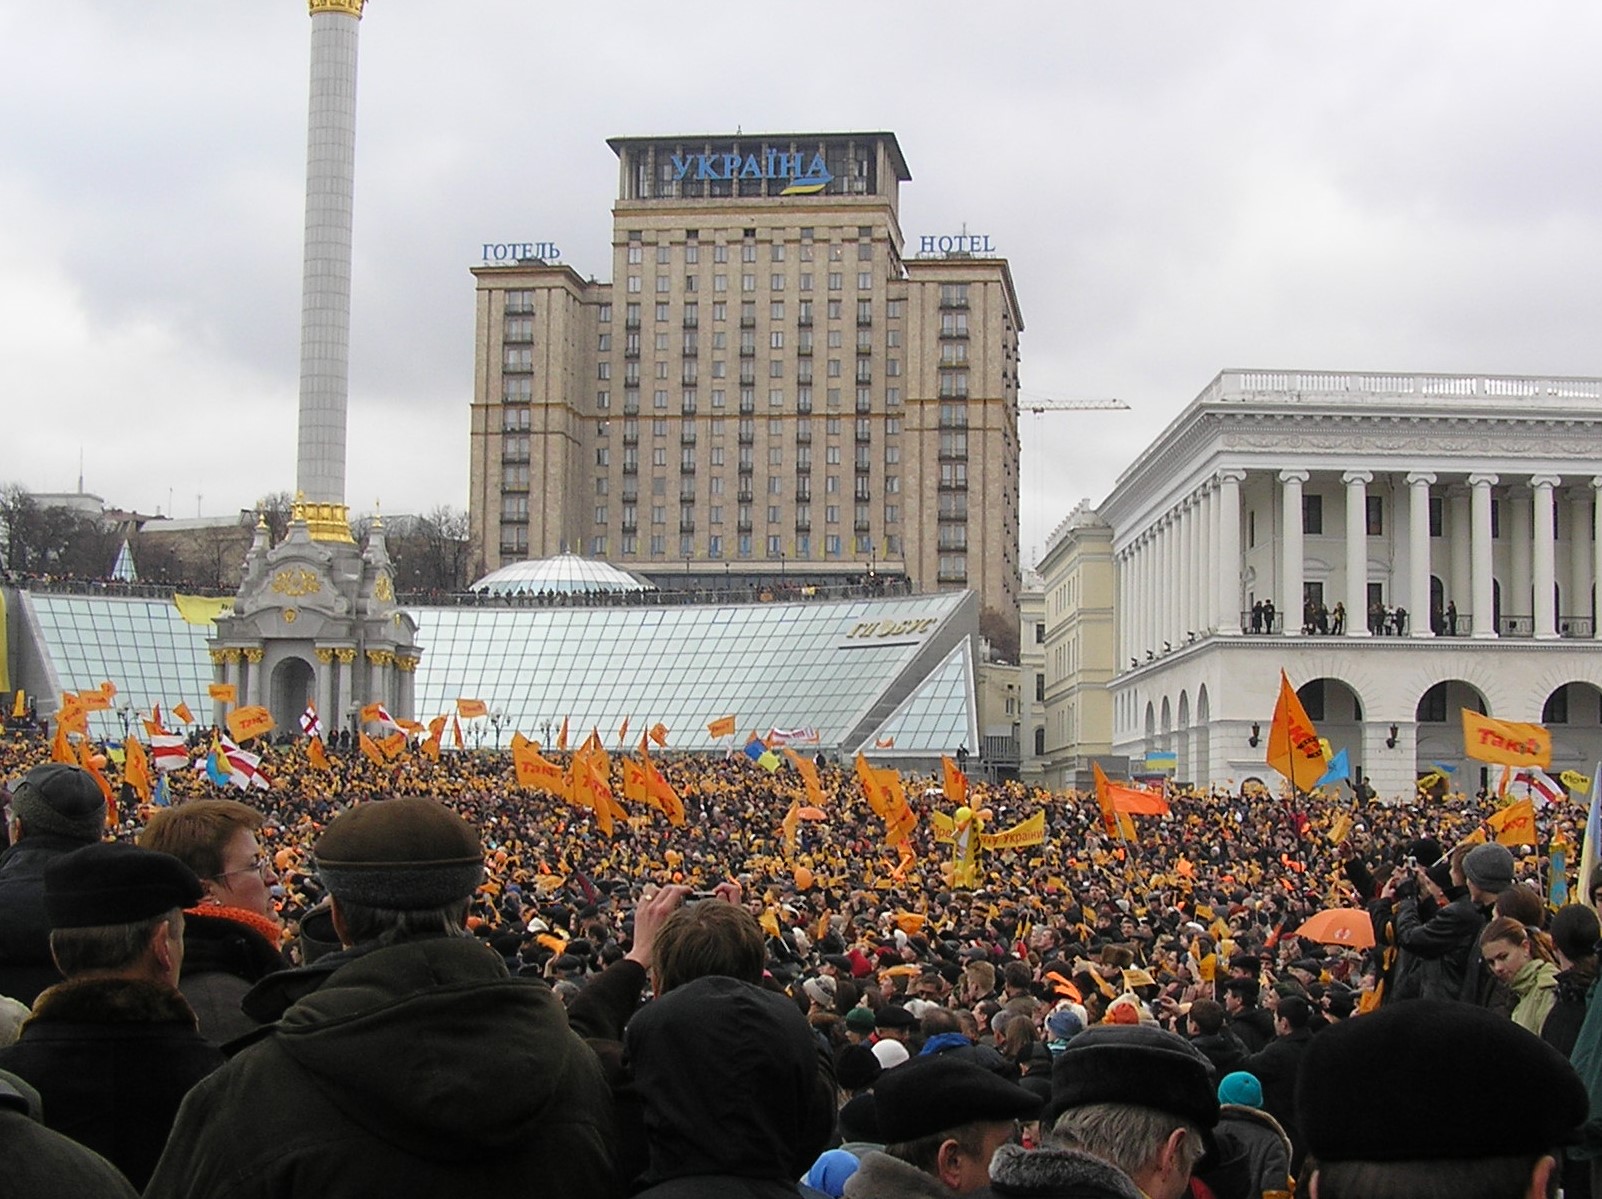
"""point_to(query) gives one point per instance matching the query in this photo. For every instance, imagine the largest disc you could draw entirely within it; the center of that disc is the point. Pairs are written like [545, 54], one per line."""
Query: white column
[1168, 583]
[1544, 556]
[1596, 557]
[1357, 482]
[1418, 555]
[1577, 596]
[1187, 573]
[1290, 583]
[1143, 600]
[1227, 559]
[1517, 525]
[1480, 555]
[325, 690]
[1206, 564]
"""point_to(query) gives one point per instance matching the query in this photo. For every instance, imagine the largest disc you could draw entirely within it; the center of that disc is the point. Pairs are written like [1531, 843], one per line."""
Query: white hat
[820, 990]
[890, 1053]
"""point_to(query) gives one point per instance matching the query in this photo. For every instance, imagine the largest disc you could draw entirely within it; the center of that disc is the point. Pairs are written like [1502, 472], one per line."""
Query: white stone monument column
[1290, 584]
[1544, 556]
[325, 280]
[1227, 558]
[1206, 565]
[1357, 482]
[1418, 554]
[1480, 554]
[1187, 573]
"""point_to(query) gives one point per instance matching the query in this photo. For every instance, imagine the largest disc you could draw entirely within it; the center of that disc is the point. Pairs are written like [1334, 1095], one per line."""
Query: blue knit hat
[1241, 1089]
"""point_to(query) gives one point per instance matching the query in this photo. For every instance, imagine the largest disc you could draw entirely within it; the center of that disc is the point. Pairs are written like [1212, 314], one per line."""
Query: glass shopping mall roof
[562, 573]
[852, 669]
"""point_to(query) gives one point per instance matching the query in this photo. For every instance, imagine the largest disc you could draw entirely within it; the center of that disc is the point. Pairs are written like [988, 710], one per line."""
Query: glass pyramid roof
[564, 573]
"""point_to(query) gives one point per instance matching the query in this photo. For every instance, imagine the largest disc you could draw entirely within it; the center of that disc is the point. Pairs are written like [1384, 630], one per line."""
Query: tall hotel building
[768, 387]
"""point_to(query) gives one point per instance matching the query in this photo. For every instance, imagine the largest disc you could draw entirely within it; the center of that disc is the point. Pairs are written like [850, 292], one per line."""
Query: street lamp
[125, 713]
[497, 718]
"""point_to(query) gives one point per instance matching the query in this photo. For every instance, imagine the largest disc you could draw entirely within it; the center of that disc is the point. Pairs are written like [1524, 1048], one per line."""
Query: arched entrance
[1573, 715]
[1334, 707]
[1182, 747]
[291, 691]
[1440, 733]
[1200, 740]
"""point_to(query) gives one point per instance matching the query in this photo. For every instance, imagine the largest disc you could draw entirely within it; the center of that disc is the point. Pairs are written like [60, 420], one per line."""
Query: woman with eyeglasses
[232, 938]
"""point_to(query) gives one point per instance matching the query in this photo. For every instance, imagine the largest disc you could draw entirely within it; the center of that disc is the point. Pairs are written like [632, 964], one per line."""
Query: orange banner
[94, 701]
[223, 693]
[1506, 742]
[723, 726]
[245, 723]
[1514, 824]
[469, 708]
[1293, 745]
[182, 712]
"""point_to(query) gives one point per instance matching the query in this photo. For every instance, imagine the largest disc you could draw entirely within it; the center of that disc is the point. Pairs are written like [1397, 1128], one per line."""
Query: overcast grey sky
[1180, 188]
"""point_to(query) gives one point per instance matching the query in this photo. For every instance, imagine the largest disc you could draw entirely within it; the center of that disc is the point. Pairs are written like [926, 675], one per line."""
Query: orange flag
[317, 754]
[534, 772]
[182, 712]
[956, 782]
[469, 708]
[661, 791]
[430, 748]
[809, 775]
[623, 733]
[1293, 745]
[393, 745]
[1506, 742]
[136, 768]
[518, 740]
[456, 732]
[223, 693]
[592, 791]
[723, 726]
[659, 732]
[370, 748]
[1117, 824]
[634, 781]
[561, 737]
[86, 759]
[60, 747]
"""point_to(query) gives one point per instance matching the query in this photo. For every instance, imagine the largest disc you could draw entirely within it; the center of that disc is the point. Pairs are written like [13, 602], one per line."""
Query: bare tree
[275, 507]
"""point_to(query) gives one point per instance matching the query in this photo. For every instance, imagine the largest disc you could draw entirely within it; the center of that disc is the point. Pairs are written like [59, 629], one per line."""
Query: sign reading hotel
[518, 251]
[864, 634]
[956, 243]
[806, 178]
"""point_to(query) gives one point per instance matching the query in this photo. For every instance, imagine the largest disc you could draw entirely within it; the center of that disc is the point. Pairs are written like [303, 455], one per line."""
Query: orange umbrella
[812, 814]
[1349, 928]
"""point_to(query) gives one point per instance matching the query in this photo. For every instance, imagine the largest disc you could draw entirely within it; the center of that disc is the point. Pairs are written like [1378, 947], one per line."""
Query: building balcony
[631, 468]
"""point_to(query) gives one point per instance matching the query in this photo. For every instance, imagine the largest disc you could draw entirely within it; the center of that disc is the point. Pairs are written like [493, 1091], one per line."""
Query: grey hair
[108, 946]
[386, 926]
[1125, 1134]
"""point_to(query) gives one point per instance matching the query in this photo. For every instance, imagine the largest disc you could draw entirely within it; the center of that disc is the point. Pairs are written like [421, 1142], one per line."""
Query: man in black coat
[1254, 1026]
[1278, 1066]
[113, 1050]
[1207, 1031]
[55, 809]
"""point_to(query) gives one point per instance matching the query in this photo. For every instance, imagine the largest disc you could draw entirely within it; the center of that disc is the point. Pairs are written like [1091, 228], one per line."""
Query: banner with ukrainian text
[1505, 742]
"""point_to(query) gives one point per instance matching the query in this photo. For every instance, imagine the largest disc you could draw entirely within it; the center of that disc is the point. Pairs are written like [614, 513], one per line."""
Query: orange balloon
[803, 877]
[97, 760]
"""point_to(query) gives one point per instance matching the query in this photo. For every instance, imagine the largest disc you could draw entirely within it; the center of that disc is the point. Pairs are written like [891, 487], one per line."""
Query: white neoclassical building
[1453, 520]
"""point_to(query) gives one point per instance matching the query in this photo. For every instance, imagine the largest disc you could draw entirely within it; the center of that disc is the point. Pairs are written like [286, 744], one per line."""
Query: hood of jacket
[727, 1074]
[431, 1044]
[1049, 1173]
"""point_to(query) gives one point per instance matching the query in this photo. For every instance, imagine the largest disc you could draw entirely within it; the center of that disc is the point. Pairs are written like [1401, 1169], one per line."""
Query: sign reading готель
[517, 251]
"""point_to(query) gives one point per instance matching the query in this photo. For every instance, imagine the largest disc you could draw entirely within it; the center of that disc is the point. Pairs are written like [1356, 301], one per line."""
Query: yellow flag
[19, 708]
[1293, 745]
[248, 722]
[1507, 742]
[370, 748]
[223, 693]
[1026, 832]
[1514, 824]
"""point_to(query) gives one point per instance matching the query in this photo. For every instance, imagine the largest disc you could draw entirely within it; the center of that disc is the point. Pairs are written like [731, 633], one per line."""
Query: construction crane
[1028, 403]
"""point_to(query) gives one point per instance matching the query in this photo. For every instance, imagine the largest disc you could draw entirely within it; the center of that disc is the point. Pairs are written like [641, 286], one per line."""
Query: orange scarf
[271, 929]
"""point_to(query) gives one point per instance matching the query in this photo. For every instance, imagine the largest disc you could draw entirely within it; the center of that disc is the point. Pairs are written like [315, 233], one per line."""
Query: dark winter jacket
[223, 959]
[1562, 1027]
[1018, 1173]
[1277, 1067]
[1443, 946]
[733, 1089]
[1223, 1048]
[1258, 1143]
[956, 1045]
[414, 1069]
[112, 1059]
[1254, 1028]
[39, 1163]
[26, 967]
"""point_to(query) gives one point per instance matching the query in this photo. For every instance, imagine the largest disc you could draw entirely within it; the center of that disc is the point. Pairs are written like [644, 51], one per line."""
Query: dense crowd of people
[420, 978]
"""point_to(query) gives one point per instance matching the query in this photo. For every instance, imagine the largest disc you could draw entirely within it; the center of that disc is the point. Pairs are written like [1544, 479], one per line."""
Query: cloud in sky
[1179, 189]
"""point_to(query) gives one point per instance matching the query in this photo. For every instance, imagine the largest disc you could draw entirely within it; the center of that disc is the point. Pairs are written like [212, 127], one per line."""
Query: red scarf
[271, 929]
